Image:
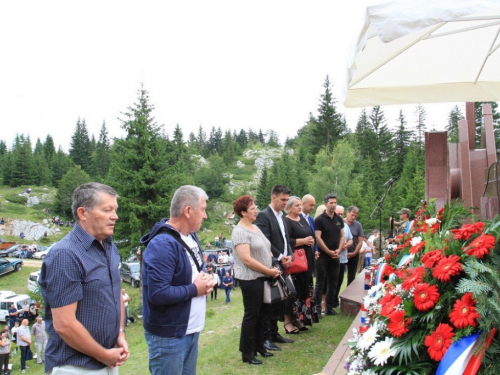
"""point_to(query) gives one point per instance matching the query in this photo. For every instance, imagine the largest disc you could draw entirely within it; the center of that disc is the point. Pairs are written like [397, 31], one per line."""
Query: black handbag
[279, 289]
[29, 354]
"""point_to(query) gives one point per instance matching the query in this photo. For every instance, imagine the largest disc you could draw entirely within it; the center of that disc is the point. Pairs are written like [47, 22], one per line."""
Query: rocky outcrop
[32, 231]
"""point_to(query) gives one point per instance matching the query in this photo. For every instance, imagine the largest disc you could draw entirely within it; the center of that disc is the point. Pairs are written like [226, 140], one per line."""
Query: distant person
[5, 345]
[38, 330]
[21, 235]
[2, 221]
[126, 300]
[357, 237]
[216, 280]
[13, 315]
[227, 281]
[27, 190]
[23, 341]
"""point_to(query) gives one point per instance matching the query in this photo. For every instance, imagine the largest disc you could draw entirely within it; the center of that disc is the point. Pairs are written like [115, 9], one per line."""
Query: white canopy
[426, 51]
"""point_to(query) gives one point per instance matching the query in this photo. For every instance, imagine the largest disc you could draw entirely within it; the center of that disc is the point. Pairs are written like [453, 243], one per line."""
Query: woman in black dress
[298, 312]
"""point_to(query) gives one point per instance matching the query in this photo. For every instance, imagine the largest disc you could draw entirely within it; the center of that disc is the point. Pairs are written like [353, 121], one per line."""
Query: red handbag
[299, 264]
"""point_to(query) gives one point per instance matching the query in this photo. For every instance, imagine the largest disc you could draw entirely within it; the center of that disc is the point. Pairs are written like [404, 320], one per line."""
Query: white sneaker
[23, 371]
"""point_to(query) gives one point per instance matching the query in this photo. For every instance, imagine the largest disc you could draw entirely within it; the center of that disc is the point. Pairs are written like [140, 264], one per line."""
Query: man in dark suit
[270, 222]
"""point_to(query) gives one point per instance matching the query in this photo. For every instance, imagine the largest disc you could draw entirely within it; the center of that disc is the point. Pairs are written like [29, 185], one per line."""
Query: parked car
[9, 251]
[29, 254]
[42, 254]
[7, 266]
[33, 285]
[131, 273]
[18, 300]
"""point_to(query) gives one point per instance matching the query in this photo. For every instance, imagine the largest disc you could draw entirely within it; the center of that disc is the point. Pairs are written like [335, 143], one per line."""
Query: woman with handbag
[298, 312]
[4, 351]
[253, 267]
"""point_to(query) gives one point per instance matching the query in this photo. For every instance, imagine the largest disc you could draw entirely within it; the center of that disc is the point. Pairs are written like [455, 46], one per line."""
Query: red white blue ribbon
[458, 355]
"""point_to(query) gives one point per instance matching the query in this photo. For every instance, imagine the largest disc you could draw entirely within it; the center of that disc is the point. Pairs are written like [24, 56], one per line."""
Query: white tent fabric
[426, 52]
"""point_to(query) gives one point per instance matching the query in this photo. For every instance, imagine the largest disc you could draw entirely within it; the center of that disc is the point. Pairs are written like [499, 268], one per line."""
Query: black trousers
[24, 350]
[327, 272]
[340, 280]
[256, 315]
[4, 362]
[214, 291]
[352, 266]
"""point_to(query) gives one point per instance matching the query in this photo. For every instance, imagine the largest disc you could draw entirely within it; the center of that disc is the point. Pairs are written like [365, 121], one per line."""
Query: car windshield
[135, 268]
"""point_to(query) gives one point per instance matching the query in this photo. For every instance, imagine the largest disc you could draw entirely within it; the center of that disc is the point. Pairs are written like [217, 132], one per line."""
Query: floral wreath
[438, 292]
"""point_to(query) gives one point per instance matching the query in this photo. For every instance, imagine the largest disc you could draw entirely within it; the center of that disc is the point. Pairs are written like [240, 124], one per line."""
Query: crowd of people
[177, 278]
[17, 336]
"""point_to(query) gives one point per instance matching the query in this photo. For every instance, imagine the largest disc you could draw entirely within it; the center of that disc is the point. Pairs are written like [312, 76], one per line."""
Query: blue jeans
[368, 261]
[228, 294]
[172, 355]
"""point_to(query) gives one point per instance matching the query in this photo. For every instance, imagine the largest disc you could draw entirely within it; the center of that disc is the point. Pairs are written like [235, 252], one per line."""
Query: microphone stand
[379, 209]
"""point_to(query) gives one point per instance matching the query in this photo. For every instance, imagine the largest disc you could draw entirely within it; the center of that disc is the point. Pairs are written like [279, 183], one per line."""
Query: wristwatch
[122, 330]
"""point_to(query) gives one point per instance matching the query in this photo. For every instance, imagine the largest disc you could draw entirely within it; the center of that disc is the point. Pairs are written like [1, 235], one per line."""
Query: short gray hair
[187, 195]
[353, 209]
[290, 201]
[339, 207]
[87, 196]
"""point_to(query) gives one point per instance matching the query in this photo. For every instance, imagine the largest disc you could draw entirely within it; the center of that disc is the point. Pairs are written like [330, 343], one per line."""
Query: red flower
[386, 299]
[425, 296]
[388, 270]
[390, 307]
[430, 259]
[464, 313]
[416, 248]
[398, 326]
[440, 214]
[447, 267]
[468, 230]
[439, 341]
[411, 277]
[480, 246]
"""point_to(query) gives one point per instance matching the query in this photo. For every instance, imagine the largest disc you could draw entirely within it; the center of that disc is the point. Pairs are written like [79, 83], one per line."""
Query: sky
[230, 64]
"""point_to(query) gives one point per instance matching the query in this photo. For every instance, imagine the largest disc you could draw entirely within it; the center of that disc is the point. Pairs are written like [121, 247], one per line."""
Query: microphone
[391, 181]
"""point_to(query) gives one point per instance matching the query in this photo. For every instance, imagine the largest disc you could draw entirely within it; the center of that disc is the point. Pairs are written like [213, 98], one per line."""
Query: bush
[14, 198]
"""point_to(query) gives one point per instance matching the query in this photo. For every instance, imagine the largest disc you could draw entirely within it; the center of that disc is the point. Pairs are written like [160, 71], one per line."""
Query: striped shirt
[78, 269]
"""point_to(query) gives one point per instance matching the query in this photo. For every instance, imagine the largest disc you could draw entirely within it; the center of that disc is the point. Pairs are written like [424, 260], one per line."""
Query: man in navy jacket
[175, 283]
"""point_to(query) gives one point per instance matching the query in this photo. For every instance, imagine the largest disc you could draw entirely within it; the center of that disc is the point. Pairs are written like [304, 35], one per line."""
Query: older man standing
[23, 341]
[175, 284]
[38, 329]
[80, 283]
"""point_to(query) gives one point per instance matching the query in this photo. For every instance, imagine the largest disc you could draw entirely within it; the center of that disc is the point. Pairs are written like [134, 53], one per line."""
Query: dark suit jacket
[268, 224]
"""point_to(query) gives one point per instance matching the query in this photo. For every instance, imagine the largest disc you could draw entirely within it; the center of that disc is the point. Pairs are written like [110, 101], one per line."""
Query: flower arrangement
[440, 285]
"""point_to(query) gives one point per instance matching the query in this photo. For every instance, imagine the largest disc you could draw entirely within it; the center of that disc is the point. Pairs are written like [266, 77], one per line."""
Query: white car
[33, 281]
[43, 253]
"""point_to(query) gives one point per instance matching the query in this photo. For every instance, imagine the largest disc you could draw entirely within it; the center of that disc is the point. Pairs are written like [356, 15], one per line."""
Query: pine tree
[401, 141]
[263, 190]
[41, 171]
[212, 178]
[101, 157]
[420, 126]
[59, 165]
[478, 115]
[49, 149]
[80, 149]
[329, 127]
[22, 165]
[454, 117]
[140, 172]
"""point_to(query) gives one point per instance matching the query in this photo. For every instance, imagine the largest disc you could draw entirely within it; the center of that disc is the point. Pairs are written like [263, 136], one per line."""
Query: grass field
[218, 349]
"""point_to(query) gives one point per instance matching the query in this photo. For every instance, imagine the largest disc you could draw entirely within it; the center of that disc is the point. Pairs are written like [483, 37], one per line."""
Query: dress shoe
[250, 359]
[281, 339]
[269, 345]
[331, 312]
[263, 352]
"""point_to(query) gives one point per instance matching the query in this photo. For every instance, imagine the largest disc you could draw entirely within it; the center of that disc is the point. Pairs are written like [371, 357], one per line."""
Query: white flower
[368, 372]
[368, 338]
[382, 351]
[416, 240]
[431, 222]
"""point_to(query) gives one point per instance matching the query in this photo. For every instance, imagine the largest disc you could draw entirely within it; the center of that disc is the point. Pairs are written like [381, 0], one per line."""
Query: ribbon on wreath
[460, 357]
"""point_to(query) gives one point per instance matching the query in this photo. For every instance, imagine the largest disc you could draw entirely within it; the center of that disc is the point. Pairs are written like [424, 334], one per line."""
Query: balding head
[308, 203]
[339, 210]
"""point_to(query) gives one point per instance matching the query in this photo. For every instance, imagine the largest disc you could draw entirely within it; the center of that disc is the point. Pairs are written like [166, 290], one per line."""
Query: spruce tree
[140, 173]
[401, 141]
[101, 157]
[329, 127]
[22, 165]
[263, 190]
[420, 125]
[80, 149]
[454, 117]
[49, 149]
[59, 165]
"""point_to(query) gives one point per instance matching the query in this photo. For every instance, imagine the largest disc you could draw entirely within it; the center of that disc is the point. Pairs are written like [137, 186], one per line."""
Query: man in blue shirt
[80, 283]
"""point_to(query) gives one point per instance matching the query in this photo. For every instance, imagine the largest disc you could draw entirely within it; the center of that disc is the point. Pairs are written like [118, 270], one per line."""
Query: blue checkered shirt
[78, 269]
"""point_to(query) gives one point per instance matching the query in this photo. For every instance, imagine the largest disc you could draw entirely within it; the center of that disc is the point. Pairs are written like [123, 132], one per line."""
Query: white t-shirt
[125, 297]
[366, 249]
[198, 304]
